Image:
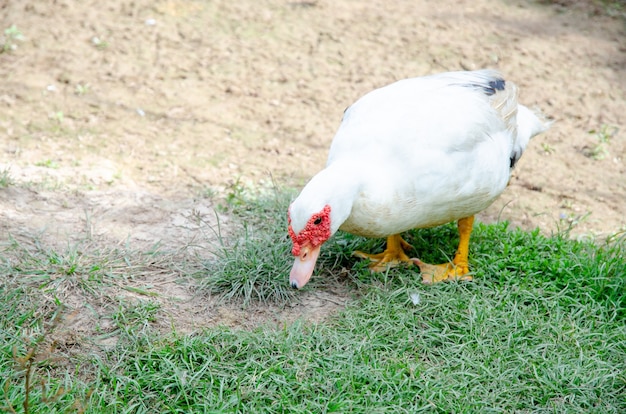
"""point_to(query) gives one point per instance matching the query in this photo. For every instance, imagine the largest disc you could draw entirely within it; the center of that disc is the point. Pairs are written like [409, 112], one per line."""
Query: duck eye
[317, 221]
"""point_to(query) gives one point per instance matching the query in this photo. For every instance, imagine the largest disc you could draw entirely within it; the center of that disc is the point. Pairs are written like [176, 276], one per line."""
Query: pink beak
[303, 266]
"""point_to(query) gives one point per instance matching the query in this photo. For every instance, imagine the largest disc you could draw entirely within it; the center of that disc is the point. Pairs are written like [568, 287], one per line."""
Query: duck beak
[303, 266]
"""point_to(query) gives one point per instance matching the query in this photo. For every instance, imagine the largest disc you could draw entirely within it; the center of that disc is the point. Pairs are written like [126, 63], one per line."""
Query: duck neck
[334, 186]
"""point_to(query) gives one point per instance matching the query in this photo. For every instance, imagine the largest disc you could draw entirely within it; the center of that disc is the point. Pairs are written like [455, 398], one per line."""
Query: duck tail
[529, 124]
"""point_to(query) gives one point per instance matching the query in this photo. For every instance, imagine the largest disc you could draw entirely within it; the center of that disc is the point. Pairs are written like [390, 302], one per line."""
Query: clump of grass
[58, 271]
[28, 354]
[85, 266]
[253, 265]
[6, 180]
[604, 136]
[132, 318]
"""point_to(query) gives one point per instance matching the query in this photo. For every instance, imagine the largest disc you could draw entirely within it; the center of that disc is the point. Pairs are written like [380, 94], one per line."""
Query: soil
[127, 121]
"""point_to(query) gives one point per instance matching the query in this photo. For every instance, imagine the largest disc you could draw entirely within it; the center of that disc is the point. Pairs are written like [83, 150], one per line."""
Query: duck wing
[454, 111]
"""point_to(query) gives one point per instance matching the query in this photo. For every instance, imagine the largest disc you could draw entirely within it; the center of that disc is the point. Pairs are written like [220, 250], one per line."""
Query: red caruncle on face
[315, 232]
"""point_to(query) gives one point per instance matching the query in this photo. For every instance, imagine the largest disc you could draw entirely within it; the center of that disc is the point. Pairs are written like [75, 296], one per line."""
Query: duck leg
[459, 268]
[391, 257]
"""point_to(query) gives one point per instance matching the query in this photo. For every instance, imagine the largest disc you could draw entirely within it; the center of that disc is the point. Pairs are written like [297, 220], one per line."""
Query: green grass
[252, 267]
[5, 178]
[541, 329]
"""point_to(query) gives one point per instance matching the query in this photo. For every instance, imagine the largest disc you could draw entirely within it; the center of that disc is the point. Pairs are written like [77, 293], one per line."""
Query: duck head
[307, 241]
[324, 204]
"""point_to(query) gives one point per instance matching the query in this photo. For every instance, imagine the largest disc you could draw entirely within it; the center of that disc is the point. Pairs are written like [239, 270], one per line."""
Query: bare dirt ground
[125, 121]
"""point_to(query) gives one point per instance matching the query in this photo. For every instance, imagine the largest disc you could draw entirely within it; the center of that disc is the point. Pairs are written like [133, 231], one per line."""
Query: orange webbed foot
[393, 255]
[442, 272]
[458, 269]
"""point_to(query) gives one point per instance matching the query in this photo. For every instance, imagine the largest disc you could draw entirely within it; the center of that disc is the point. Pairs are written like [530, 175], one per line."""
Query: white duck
[417, 153]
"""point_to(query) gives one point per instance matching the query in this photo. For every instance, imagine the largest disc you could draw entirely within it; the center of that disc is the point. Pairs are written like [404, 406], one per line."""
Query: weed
[99, 43]
[604, 136]
[57, 117]
[207, 193]
[568, 222]
[8, 41]
[47, 164]
[82, 89]
[131, 317]
[547, 148]
[5, 178]
[33, 353]
[237, 193]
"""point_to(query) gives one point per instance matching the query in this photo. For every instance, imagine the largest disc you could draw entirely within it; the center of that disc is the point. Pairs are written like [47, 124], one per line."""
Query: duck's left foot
[459, 268]
[442, 272]
[393, 255]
